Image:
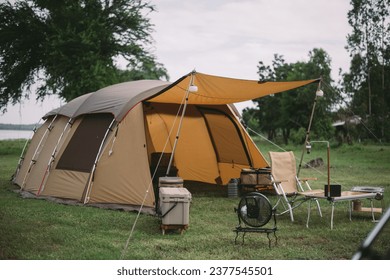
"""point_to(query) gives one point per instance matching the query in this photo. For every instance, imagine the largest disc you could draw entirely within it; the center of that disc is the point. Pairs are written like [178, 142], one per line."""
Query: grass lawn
[32, 229]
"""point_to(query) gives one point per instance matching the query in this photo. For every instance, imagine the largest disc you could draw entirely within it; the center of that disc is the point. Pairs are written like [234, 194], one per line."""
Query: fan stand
[255, 211]
[244, 230]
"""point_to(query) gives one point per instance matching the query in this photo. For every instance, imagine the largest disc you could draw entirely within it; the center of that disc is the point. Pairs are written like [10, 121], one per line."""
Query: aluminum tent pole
[92, 174]
[39, 147]
[53, 155]
[319, 93]
[191, 88]
[22, 155]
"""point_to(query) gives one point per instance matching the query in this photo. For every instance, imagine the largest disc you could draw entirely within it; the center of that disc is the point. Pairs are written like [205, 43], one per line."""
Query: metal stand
[244, 230]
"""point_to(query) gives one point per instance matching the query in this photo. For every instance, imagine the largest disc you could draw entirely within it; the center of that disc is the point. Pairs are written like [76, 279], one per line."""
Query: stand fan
[254, 211]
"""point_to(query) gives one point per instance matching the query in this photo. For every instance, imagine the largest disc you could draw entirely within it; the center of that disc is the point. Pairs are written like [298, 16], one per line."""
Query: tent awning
[222, 90]
[118, 99]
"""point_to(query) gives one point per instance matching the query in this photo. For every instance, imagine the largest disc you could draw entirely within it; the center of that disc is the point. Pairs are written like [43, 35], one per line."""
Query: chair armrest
[308, 179]
[279, 181]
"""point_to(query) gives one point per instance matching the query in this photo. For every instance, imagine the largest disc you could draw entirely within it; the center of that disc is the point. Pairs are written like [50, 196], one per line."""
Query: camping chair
[287, 185]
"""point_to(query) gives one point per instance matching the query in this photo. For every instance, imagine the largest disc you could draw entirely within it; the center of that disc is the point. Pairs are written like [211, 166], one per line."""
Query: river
[15, 134]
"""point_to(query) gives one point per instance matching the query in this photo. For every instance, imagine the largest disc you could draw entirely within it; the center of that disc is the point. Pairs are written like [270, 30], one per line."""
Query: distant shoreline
[9, 126]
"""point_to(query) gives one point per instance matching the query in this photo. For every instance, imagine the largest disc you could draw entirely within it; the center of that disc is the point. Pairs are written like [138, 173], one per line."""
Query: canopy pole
[191, 88]
[150, 183]
[319, 93]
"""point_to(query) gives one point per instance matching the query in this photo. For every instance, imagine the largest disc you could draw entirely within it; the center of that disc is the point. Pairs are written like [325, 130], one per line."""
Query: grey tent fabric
[117, 99]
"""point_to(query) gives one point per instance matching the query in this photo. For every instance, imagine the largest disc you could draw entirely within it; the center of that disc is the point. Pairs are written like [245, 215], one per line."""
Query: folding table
[354, 194]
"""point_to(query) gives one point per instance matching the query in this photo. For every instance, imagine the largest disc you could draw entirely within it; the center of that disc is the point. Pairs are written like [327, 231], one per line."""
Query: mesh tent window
[82, 149]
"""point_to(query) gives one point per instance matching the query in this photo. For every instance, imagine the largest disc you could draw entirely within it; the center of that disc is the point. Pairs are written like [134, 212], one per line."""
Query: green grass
[39, 229]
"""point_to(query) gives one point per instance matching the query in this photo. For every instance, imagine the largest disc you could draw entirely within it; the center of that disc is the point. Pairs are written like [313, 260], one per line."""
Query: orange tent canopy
[213, 90]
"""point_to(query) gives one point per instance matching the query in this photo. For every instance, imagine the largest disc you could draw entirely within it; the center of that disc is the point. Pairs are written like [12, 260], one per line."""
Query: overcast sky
[229, 38]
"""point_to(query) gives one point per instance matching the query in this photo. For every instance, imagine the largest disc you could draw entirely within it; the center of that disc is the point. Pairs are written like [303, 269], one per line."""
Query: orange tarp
[221, 90]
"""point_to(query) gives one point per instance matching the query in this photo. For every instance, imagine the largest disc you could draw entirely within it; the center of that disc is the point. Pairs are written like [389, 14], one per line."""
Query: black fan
[255, 211]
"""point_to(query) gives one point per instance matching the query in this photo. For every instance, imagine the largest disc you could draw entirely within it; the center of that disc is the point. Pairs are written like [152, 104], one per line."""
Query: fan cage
[254, 210]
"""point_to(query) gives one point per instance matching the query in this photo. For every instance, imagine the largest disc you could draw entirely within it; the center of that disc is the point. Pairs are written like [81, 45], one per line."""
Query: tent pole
[92, 174]
[21, 158]
[37, 151]
[52, 158]
[309, 127]
[189, 89]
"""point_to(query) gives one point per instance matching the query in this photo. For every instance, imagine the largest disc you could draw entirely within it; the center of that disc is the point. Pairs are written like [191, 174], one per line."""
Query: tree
[290, 111]
[70, 47]
[367, 82]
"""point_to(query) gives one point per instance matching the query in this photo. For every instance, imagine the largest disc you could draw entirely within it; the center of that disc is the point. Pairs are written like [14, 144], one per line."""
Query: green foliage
[70, 47]
[298, 136]
[249, 118]
[367, 83]
[290, 111]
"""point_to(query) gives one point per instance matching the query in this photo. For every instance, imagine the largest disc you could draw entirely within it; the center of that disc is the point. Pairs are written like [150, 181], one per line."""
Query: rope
[151, 181]
[280, 148]
[265, 138]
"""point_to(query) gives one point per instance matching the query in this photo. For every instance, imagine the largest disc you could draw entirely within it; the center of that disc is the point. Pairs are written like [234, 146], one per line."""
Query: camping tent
[104, 147]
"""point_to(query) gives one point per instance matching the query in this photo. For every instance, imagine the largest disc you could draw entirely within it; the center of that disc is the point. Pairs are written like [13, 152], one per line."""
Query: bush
[298, 137]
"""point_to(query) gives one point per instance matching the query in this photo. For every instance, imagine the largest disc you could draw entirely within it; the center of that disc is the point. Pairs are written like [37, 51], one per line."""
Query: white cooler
[172, 182]
[174, 205]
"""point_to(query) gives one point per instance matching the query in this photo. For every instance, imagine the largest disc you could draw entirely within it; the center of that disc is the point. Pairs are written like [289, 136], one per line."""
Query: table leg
[331, 217]
[372, 210]
[350, 209]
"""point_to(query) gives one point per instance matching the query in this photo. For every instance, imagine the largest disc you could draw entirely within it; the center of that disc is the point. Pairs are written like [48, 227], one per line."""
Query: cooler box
[174, 205]
[170, 182]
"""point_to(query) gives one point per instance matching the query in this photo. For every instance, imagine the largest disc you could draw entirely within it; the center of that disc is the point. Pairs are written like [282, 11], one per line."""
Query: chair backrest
[283, 168]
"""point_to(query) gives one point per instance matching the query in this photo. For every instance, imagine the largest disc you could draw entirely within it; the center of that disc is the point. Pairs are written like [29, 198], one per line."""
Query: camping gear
[233, 187]
[256, 179]
[254, 211]
[166, 182]
[174, 207]
[288, 185]
[332, 190]
[98, 148]
[349, 196]
[319, 94]
[248, 176]
[170, 182]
